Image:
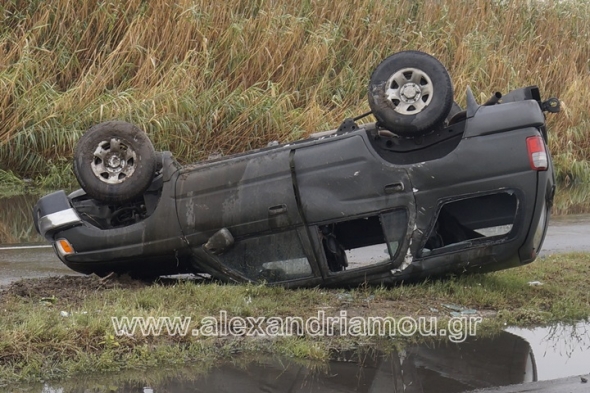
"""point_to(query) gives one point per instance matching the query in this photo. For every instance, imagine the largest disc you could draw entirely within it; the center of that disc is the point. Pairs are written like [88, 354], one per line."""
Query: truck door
[358, 208]
[251, 199]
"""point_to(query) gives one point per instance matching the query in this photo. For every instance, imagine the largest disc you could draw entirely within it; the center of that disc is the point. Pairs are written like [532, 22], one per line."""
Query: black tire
[114, 162]
[410, 93]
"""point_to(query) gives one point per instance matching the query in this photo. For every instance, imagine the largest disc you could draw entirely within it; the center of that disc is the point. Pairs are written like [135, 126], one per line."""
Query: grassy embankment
[39, 341]
[203, 77]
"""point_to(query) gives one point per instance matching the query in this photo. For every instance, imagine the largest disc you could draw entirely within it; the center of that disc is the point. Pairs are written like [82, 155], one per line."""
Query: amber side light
[64, 247]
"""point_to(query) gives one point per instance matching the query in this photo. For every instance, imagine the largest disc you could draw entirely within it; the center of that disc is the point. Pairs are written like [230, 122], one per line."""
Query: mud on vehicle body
[428, 189]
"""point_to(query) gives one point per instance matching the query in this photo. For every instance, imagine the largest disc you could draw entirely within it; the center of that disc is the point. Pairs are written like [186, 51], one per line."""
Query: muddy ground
[70, 290]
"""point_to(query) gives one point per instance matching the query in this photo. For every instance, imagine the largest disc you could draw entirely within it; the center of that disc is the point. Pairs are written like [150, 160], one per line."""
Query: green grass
[10, 181]
[38, 343]
[200, 78]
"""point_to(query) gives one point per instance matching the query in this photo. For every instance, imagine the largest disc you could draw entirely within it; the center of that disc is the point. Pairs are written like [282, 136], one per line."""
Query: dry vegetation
[203, 76]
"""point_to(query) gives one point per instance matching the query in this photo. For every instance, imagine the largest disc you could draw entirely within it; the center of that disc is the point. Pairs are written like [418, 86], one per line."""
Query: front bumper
[151, 247]
[54, 213]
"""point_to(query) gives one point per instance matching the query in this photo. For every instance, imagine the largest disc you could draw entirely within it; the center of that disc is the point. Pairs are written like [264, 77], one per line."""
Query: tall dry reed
[203, 76]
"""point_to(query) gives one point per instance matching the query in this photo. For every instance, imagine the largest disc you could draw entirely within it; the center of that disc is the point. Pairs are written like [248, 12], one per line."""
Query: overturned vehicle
[427, 189]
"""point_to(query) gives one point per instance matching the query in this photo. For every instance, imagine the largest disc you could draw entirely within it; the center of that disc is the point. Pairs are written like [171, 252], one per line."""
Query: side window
[473, 219]
[272, 258]
[363, 242]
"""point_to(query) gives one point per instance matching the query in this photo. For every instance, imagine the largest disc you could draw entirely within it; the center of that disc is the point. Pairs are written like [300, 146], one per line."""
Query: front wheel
[410, 93]
[114, 162]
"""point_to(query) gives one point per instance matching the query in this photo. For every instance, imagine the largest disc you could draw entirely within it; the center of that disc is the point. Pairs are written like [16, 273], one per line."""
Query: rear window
[363, 242]
[473, 219]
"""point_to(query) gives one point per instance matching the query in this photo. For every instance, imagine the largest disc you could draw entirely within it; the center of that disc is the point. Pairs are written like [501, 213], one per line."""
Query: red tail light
[537, 153]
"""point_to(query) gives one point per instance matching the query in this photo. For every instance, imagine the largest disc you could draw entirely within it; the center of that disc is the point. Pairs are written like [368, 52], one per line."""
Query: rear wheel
[114, 162]
[410, 93]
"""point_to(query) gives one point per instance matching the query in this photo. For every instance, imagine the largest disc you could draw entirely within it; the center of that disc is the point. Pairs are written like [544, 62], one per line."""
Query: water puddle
[560, 351]
[16, 220]
[512, 357]
[572, 200]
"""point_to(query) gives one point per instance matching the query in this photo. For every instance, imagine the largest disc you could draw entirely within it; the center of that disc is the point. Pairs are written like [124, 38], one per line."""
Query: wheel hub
[113, 161]
[410, 93]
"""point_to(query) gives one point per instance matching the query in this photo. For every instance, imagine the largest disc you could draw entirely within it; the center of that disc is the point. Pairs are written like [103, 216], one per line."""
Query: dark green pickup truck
[427, 189]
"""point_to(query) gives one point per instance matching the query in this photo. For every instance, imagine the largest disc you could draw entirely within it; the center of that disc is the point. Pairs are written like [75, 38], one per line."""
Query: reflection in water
[561, 350]
[443, 367]
[16, 222]
[572, 200]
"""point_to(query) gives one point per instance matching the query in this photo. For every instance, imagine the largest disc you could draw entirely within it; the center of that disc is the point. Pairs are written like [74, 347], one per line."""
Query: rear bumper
[540, 221]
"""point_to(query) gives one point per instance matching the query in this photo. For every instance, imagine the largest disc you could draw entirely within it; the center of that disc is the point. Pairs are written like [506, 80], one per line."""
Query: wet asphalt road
[28, 261]
[565, 234]
[568, 234]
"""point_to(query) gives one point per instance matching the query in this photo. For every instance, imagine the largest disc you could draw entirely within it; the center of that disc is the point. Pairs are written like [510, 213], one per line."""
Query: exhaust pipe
[493, 100]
